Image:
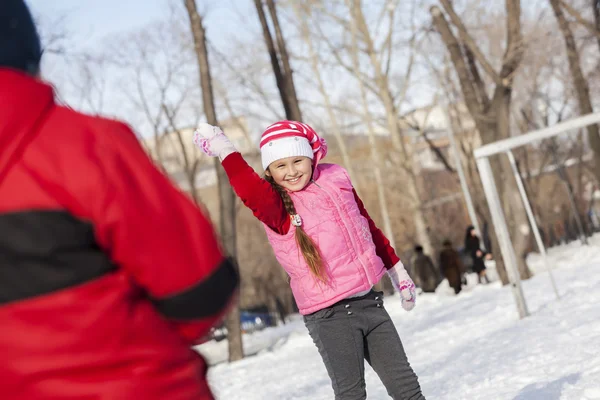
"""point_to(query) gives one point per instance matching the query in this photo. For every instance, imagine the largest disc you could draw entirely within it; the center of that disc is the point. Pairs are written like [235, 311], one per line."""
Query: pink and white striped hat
[289, 139]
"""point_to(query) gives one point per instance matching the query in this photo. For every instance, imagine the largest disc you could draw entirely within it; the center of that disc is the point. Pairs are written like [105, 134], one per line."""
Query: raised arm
[256, 193]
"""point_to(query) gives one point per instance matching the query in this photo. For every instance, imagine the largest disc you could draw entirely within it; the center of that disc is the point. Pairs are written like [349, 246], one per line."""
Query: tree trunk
[596, 10]
[381, 79]
[579, 82]
[492, 118]
[285, 83]
[513, 206]
[226, 194]
[288, 78]
[314, 63]
[375, 156]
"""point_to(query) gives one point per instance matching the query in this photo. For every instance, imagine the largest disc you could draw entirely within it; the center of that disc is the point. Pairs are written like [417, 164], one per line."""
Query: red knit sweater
[266, 204]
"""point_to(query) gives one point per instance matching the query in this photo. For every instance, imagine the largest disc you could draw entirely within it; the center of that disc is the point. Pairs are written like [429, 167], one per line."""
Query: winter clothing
[358, 329]
[355, 255]
[20, 46]
[318, 210]
[212, 141]
[109, 274]
[451, 267]
[290, 139]
[404, 285]
[472, 246]
[331, 217]
[265, 203]
[426, 276]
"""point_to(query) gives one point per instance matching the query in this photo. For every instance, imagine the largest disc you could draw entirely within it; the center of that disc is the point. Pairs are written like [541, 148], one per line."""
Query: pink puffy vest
[331, 217]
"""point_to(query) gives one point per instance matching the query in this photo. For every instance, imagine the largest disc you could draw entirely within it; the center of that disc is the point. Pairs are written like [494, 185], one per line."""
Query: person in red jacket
[108, 273]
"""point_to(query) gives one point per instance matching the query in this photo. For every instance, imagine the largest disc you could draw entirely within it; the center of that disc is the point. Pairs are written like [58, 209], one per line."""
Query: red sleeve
[159, 236]
[257, 194]
[382, 245]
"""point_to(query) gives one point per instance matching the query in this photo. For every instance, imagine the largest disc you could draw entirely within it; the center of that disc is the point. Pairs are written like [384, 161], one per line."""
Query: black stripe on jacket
[45, 251]
[206, 298]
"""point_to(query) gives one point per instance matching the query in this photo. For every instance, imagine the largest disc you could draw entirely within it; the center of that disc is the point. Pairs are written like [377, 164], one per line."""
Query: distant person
[332, 251]
[424, 271]
[473, 247]
[451, 266]
[108, 273]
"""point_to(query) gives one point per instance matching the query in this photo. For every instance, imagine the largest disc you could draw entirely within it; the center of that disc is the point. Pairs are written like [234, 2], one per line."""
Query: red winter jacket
[107, 272]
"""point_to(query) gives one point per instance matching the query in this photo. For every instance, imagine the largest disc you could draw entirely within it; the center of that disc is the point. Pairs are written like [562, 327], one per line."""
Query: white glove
[403, 284]
[212, 141]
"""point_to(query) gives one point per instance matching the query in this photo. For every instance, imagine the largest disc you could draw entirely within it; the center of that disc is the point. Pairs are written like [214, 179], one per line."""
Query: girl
[332, 251]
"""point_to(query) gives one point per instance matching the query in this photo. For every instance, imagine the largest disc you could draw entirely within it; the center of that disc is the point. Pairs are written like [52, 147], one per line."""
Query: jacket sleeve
[156, 233]
[382, 245]
[256, 193]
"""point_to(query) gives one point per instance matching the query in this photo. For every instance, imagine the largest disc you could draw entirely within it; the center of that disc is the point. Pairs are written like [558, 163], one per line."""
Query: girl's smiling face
[291, 173]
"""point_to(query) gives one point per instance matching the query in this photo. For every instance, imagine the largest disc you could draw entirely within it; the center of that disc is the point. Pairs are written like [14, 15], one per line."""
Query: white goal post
[506, 146]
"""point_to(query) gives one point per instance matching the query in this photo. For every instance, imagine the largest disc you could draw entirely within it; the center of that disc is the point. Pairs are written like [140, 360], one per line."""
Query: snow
[471, 346]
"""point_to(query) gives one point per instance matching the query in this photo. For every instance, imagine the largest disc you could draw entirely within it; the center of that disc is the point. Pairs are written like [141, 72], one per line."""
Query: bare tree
[592, 27]
[383, 90]
[491, 114]
[596, 10]
[85, 83]
[579, 82]
[227, 206]
[283, 71]
[303, 16]
[375, 156]
[250, 78]
[155, 78]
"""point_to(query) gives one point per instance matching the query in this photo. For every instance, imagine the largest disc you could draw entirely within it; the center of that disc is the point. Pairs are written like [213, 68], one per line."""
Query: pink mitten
[404, 285]
[212, 141]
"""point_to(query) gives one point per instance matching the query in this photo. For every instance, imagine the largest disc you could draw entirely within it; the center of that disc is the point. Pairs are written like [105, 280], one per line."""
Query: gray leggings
[358, 329]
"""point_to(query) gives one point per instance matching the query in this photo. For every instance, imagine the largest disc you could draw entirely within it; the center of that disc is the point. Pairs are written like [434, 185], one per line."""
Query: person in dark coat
[451, 266]
[425, 274]
[473, 247]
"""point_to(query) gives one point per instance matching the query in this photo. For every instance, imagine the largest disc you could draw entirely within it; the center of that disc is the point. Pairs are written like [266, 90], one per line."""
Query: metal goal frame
[505, 146]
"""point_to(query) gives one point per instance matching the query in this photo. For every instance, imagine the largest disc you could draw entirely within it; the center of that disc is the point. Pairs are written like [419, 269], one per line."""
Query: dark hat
[20, 46]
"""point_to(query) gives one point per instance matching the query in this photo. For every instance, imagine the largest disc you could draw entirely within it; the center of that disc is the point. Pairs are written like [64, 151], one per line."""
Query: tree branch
[245, 81]
[438, 153]
[478, 83]
[590, 26]
[295, 114]
[468, 41]
[514, 42]
[456, 55]
[336, 53]
[279, 78]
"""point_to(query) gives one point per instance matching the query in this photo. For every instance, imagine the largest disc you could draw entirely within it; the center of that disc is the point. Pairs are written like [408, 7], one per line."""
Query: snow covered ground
[471, 346]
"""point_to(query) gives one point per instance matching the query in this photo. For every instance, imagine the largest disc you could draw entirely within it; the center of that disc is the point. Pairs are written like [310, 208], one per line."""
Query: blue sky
[91, 20]
[88, 23]
[91, 25]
